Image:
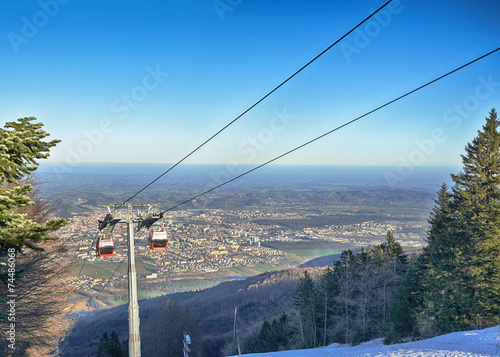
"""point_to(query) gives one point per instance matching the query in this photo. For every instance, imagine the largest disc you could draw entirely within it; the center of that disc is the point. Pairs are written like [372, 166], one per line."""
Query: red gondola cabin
[105, 246]
[158, 239]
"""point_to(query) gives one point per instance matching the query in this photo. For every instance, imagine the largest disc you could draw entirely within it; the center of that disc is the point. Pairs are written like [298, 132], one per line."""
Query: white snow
[477, 343]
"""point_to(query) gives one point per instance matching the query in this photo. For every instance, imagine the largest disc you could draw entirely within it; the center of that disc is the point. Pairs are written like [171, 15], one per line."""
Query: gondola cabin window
[158, 239]
[105, 247]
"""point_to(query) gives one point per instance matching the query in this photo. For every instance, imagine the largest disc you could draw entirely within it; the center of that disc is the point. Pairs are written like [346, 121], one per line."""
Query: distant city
[209, 240]
[275, 219]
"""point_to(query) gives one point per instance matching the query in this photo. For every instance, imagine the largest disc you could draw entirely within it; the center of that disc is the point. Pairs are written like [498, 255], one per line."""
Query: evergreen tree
[110, 346]
[25, 227]
[455, 283]
[103, 348]
[392, 252]
[439, 313]
[476, 204]
[115, 346]
[265, 338]
[282, 333]
[21, 145]
[272, 337]
[305, 303]
[408, 301]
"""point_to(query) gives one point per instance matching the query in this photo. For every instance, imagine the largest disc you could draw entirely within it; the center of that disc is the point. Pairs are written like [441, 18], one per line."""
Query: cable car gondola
[187, 342]
[158, 239]
[105, 246]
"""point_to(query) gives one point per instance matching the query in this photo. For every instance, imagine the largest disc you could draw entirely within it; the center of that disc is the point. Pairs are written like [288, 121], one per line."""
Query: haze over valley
[278, 218]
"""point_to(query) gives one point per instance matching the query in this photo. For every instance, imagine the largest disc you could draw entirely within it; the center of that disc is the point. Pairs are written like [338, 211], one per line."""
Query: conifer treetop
[481, 161]
[21, 145]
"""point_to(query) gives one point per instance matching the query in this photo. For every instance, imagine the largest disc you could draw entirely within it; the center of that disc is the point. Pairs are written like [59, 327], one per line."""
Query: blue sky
[130, 81]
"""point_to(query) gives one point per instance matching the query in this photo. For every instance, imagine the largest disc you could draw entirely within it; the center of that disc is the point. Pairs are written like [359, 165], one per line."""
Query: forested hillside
[348, 304]
[209, 314]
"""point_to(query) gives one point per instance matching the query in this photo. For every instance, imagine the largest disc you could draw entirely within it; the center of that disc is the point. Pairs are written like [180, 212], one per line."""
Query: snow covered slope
[477, 343]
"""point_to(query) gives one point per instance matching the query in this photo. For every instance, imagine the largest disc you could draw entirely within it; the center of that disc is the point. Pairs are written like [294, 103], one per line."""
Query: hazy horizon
[204, 176]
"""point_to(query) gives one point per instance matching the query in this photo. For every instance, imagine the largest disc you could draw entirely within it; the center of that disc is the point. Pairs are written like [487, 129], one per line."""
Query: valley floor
[479, 343]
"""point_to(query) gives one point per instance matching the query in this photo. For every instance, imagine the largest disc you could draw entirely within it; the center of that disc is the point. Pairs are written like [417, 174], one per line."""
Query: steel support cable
[241, 115]
[311, 141]
[330, 132]
[81, 268]
[85, 260]
[112, 275]
[255, 104]
[65, 240]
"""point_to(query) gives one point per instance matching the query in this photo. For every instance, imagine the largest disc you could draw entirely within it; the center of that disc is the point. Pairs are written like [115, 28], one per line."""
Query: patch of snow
[479, 343]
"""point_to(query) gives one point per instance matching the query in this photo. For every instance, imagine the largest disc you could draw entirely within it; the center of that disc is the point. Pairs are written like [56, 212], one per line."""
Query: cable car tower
[145, 218]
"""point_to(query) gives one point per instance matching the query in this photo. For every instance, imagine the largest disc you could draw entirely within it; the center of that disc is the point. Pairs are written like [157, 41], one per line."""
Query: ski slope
[477, 343]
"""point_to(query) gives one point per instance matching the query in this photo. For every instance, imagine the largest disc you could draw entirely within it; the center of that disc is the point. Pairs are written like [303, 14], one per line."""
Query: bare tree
[42, 209]
[38, 308]
[41, 302]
